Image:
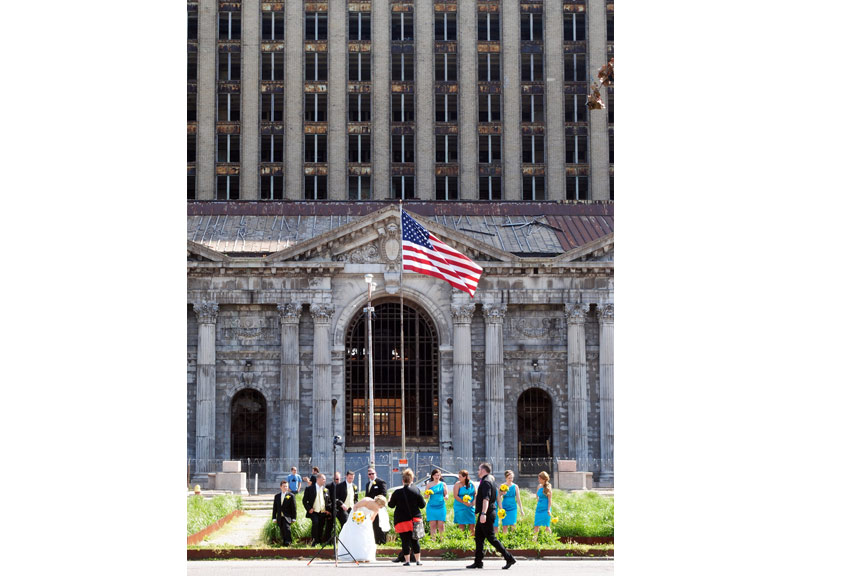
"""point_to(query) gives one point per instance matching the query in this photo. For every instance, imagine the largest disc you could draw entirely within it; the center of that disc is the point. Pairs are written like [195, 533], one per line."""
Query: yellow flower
[467, 498]
[502, 513]
[358, 517]
[554, 520]
[429, 492]
[503, 487]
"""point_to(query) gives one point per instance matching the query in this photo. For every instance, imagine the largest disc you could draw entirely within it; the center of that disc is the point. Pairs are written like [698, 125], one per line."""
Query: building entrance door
[534, 423]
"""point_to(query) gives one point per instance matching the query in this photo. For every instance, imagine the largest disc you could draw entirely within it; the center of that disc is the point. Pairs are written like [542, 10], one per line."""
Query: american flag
[422, 252]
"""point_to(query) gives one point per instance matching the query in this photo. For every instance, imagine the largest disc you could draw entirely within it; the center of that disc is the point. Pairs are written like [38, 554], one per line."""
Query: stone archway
[534, 431]
[248, 422]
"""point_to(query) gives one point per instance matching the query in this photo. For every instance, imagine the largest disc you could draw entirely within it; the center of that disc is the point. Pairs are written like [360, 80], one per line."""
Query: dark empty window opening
[533, 188]
[445, 148]
[446, 187]
[227, 187]
[576, 146]
[445, 67]
[445, 26]
[315, 187]
[402, 148]
[532, 108]
[229, 25]
[488, 67]
[271, 107]
[271, 148]
[490, 188]
[228, 148]
[488, 26]
[404, 108]
[272, 66]
[315, 148]
[228, 107]
[315, 66]
[359, 148]
[489, 108]
[359, 66]
[316, 26]
[402, 27]
[273, 27]
[359, 108]
[403, 187]
[359, 26]
[574, 30]
[271, 188]
[445, 108]
[316, 107]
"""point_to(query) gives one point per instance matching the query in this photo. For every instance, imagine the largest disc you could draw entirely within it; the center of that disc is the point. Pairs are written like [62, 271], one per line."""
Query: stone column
[337, 88]
[322, 390]
[290, 385]
[423, 39]
[205, 398]
[494, 315]
[380, 100]
[249, 168]
[554, 63]
[597, 55]
[207, 34]
[606, 391]
[512, 112]
[467, 45]
[294, 101]
[462, 403]
[577, 401]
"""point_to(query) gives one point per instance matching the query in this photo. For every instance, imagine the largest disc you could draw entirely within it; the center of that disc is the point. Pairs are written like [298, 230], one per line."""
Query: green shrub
[201, 512]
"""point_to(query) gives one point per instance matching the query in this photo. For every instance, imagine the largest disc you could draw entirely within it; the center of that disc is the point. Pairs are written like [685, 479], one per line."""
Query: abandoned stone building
[307, 123]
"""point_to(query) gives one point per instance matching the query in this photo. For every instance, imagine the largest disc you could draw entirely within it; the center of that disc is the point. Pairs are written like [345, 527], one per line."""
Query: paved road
[387, 568]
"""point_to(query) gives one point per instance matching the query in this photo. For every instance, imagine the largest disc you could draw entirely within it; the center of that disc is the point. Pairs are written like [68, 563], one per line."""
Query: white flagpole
[401, 294]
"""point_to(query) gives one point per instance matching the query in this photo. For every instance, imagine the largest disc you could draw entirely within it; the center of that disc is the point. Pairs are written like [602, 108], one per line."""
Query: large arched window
[534, 423]
[421, 378]
[248, 425]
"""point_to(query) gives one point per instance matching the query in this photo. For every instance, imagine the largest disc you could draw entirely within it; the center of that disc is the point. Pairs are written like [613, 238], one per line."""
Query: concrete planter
[198, 537]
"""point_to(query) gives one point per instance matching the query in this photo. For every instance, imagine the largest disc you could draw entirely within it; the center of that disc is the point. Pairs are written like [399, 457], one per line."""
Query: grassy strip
[201, 512]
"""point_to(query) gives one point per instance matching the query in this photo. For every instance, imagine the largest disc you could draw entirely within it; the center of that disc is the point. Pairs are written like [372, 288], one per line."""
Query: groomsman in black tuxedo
[317, 501]
[376, 487]
[485, 518]
[283, 512]
[346, 496]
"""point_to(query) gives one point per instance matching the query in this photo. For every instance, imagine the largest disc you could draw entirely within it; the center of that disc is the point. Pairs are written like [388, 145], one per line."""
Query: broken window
[404, 108]
[191, 150]
[402, 187]
[228, 107]
[445, 26]
[359, 187]
[532, 108]
[315, 187]
[574, 30]
[531, 27]
[445, 148]
[271, 148]
[402, 67]
[610, 106]
[316, 26]
[489, 108]
[359, 148]
[532, 149]
[488, 67]
[229, 25]
[192, 66]
[533, 188]
[191, 107]
[445, 108]
[575, 108]
[359, 66]
[532, 67]
[490, 188]
[610, 27]
[489, 148]
[402, 148]
[315, 148]
[577, 188]
[402, 26]
[359, 108]
[271, 107]
[228, 66]
[575, 69]
[192, 25]
[576, 146]
[445, 67]
[190, 187]
[316, 66]
[228, 148]
[610, 187]
[611, 146]
[273, 26]
[488, 26]
[359, 26]
[272, 66]
[446, 187]
[316, 107]
[271, 188]
[227, 187]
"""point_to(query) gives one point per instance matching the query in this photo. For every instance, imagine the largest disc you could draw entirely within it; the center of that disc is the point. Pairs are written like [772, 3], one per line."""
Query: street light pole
[369, 310]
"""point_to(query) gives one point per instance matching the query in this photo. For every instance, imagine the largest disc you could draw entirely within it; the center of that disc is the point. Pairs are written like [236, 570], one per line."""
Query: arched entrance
[421, 378]
[247, 426]
[534, 423]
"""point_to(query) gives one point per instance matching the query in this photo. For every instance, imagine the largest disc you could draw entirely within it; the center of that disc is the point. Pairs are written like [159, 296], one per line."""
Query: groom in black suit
[317, 501]
[376, 487]
[283, 512]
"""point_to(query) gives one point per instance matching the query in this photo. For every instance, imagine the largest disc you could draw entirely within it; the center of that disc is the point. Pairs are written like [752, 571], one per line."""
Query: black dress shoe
[418, 563]
[396, 560]
[406, 564]
[475, 565]
[510, 562]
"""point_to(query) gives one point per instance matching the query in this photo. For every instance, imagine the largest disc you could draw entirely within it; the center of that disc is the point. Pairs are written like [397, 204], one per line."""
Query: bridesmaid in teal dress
[509, 501]
[543, 513]
[464, 512]
[435, 511]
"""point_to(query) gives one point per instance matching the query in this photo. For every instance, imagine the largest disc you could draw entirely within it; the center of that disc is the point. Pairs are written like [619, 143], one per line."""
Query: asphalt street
[558, 567]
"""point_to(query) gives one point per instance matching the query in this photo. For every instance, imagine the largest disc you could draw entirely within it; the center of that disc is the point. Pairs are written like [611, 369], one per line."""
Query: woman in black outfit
[408, 503]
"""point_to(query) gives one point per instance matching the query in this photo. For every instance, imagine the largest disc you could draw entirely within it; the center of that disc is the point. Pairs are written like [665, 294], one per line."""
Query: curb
[328, 553]
[198, 537]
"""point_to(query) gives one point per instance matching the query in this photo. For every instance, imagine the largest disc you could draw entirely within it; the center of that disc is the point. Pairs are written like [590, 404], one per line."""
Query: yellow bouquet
[503, 488]
[429, 492]
[502, 513]
[359, 517]
[467, 498]
[554, 519]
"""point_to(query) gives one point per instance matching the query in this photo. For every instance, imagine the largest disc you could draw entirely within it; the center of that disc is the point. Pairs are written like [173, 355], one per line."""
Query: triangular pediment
[364, 240]
[199, 253]
[599, 250]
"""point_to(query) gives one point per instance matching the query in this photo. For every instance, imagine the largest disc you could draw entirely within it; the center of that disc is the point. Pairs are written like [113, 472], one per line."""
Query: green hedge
[201, 512]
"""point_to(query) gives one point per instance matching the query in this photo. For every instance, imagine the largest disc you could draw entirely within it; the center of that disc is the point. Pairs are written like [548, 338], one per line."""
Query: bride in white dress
[356, 537]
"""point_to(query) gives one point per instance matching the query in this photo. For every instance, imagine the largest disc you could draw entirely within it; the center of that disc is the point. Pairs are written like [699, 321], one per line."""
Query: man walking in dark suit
[317, 501]
[376, 487]
[485, 513]
[283, 512]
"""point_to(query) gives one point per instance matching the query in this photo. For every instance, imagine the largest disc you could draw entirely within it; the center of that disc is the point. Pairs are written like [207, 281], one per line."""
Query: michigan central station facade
[307, 123]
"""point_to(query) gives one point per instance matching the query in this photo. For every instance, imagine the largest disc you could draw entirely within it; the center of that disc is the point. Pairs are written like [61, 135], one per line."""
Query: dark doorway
[534, 423]
[421, 378]
[248, 425]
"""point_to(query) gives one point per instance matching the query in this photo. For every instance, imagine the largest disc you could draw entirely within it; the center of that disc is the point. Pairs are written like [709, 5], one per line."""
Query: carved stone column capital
[321, 312]
[206, 311]
[494, 313]
[606, 313]
[576, 312]
[462, 313]
[290, 313]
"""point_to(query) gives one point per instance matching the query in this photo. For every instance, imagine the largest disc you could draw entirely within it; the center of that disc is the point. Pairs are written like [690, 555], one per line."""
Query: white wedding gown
[359, 539]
